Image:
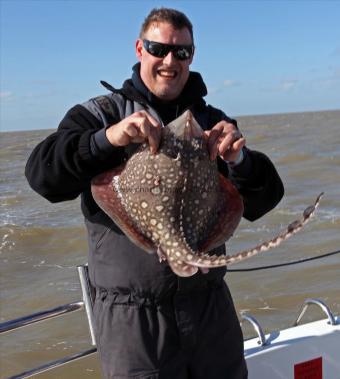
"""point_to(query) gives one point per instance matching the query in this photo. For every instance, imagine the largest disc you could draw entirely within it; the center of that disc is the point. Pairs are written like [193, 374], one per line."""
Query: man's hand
[138, 127]
[225, 140]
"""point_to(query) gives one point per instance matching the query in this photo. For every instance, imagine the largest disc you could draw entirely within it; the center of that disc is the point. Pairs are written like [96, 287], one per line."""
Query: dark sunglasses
[161, 50]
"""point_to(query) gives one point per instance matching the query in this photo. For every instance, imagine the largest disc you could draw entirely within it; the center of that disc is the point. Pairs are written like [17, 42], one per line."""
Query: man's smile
[167, 73]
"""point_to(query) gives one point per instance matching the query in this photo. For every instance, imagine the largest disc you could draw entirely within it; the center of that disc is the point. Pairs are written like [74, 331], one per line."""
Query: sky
[256, 57]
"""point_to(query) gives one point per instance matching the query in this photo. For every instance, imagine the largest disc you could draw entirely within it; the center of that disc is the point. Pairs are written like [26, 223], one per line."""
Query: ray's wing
[230, 213]
[204, 260]
[109, 200]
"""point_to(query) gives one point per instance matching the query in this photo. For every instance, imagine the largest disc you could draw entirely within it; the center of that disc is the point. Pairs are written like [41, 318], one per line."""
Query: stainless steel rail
[322, 305]
[88, 293]
[252, 320]
[88, 297]
[54, 364]
[40, 316]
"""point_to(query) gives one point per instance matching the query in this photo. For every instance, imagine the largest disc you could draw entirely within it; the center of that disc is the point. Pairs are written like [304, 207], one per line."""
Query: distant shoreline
[235, 116]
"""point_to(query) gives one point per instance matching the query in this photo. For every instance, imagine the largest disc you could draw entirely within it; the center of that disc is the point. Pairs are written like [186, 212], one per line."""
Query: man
[149, 322]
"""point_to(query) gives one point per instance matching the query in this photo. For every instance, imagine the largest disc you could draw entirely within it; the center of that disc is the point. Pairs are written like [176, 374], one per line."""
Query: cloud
[288, 84]
[213, 90]
[231, 83]
[227, 83]
[283, 85]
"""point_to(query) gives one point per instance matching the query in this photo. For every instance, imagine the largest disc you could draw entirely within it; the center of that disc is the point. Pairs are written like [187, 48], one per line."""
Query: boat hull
[306, 351]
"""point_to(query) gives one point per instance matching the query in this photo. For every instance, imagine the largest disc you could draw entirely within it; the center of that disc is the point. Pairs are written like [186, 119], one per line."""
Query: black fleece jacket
[61, 167]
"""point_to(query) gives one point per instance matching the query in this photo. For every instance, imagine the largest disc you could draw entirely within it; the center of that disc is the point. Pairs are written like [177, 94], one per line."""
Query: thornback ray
[176, 203]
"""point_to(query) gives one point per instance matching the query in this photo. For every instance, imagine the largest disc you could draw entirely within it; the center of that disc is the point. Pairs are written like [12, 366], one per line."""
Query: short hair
[172, 16]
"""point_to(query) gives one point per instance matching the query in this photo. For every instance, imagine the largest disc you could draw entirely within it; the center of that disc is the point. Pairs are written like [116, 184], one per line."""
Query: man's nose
[168, 59]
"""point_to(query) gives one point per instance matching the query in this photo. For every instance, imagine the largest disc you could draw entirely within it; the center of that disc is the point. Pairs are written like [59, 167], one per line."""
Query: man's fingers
[239, 144]
[154, 138]
[140, 127]
[154, 135]
[151, 119]
[228, 141]
[150, 129]
[213, 140]
[221, 139]
[232, 153]
[131, 130]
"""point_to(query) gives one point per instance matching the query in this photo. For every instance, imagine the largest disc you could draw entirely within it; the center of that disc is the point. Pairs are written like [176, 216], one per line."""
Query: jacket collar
[193, 91]
[192, 95]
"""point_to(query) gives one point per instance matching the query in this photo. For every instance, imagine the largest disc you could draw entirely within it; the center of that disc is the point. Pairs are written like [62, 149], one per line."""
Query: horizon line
[236, 116]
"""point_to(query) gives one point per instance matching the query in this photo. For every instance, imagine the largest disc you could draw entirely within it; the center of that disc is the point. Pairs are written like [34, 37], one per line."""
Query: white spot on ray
[156, 190]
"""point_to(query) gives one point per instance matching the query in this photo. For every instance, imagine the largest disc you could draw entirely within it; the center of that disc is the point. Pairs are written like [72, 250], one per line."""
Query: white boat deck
[308, 351]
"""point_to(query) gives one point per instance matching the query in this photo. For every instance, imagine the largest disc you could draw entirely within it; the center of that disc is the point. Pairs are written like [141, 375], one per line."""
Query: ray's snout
[186, 127]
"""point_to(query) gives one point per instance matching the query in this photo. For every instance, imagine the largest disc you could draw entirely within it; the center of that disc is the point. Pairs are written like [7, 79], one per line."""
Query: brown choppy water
[41, 244]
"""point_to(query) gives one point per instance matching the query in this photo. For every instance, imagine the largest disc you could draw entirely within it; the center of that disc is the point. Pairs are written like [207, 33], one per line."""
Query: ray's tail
[207, 261]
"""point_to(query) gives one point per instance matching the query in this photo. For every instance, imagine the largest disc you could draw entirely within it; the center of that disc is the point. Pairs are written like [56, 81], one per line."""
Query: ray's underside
[176, 203]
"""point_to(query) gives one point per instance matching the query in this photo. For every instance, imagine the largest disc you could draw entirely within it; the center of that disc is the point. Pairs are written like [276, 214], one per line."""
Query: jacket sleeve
[261, 188]
[62, 165]
[255, 177]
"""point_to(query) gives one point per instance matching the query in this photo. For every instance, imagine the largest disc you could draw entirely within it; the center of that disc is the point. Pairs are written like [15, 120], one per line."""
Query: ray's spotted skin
[291, 229]
[176, 203]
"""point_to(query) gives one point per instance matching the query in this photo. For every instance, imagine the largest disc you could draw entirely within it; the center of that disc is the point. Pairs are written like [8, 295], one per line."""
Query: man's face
[164, 77]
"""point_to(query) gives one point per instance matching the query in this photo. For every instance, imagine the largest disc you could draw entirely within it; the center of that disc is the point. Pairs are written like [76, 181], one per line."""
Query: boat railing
[86, 304]
[257, 327]
[20, 322]
[259, 331]
[88, 295]
[324, 307]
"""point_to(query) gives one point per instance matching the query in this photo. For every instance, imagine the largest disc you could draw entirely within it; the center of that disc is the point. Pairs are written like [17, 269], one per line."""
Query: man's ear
[139, 48]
